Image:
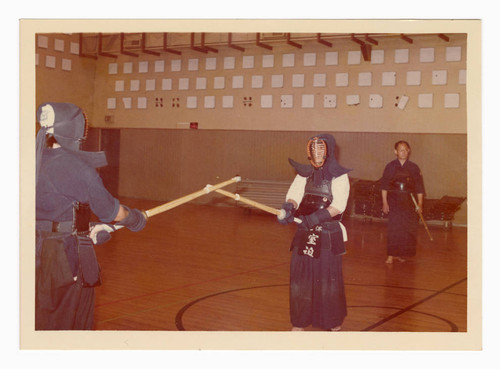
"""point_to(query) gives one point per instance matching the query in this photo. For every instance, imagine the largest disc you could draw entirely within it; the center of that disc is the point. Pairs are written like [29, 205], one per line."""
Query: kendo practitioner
[318, 197]
[402, 179]
[68, 189]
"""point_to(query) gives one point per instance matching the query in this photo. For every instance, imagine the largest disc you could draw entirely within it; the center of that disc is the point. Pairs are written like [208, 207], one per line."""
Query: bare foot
[297, 329]
[389, 260]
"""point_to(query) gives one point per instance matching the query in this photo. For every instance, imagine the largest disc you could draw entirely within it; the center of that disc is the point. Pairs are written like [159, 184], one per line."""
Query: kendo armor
[315, 197]
[402, 181]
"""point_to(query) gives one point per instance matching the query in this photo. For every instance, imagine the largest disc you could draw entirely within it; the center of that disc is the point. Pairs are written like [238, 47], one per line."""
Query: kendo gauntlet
[319, 216]
[135, 220]
[289, 211]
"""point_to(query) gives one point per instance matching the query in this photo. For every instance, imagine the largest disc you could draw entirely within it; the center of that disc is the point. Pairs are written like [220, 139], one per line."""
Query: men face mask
[317, 152]
[65, 121]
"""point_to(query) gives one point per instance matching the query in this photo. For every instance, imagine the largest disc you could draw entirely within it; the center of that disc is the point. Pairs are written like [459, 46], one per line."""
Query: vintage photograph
[310, 182]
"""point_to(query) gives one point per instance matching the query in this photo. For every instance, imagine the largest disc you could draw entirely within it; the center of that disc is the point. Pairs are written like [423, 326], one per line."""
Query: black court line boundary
[453, 327]
[410, 307]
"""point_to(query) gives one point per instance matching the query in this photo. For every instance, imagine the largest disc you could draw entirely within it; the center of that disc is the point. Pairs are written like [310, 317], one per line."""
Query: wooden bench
[270, 193]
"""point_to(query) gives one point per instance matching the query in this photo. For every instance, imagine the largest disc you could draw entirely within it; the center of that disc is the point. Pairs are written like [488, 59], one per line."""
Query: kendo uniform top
[63, 302]
[400, 181]
[406, 177]
[65, 179]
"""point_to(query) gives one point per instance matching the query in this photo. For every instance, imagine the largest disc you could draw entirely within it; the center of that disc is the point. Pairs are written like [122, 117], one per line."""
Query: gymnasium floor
[218, 268]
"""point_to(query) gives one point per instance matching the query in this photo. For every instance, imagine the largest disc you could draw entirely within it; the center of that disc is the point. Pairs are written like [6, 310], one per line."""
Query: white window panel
[452, 100]
[210, 63]
[277, 81]
[227, 102]
[413, 78]
[341, 79]
[425, 100]
[332, 58]
[127, 68]
[209, 102]
[287, 101]
[288, 60]
[143, 67]
[388, 78]
[166, 84]
[183, 83]
[159, 66]
[427, 55]
[237, 82]
[453, 54]
[266, 101]
[201, 83]
[193, 64]
[319, 80]
[175, 65]
[135, 84]
[308, 101]
[354, 57]
[113, 68]
[377, 57]
[257, 81]
[401, 56]
[298, 80]
[229, 62]
[365, 79]
[191, 102]
[219, 83]
[330, 101]
[309, 59]
[248, 61]
[267, 61]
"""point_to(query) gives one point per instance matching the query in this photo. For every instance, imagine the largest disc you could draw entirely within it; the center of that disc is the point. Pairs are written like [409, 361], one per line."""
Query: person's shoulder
[76, 163]
[413, 164]
[391, 163]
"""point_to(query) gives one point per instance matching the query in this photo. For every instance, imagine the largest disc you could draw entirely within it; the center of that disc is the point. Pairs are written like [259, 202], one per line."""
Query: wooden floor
[214, 268]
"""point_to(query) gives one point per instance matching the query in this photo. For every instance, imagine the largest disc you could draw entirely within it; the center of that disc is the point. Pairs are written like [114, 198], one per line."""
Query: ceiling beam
[321, 41]
[80, 48]
[291, 43]
[99, 48]
[258, 43]
[143, 46]
[406, 38]
[444, 37]
[230, 43]
[166, 48]
[122, 47]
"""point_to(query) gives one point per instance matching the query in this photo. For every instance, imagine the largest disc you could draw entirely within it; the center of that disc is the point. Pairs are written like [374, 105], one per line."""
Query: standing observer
[401, 181]
[68, 190]
[318, 197]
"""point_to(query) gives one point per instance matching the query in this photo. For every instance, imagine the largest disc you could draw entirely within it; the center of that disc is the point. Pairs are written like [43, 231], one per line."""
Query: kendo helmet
[68, 125]
[66, 122]
[317, 151]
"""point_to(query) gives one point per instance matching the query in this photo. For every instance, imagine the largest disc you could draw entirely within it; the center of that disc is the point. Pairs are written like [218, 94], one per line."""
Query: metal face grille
[317, 151]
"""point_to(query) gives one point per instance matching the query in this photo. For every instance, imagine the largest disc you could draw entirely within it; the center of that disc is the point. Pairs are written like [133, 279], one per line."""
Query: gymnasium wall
[256, 108]
[61, 74]
[291, 89]
[165, 164]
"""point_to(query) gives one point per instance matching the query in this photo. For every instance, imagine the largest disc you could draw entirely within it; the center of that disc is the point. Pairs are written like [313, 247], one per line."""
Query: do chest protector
[315, 197]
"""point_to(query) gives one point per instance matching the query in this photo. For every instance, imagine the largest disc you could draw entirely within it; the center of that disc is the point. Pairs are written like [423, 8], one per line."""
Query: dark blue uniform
[63, 302]
[400, 181]
[317, 295]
